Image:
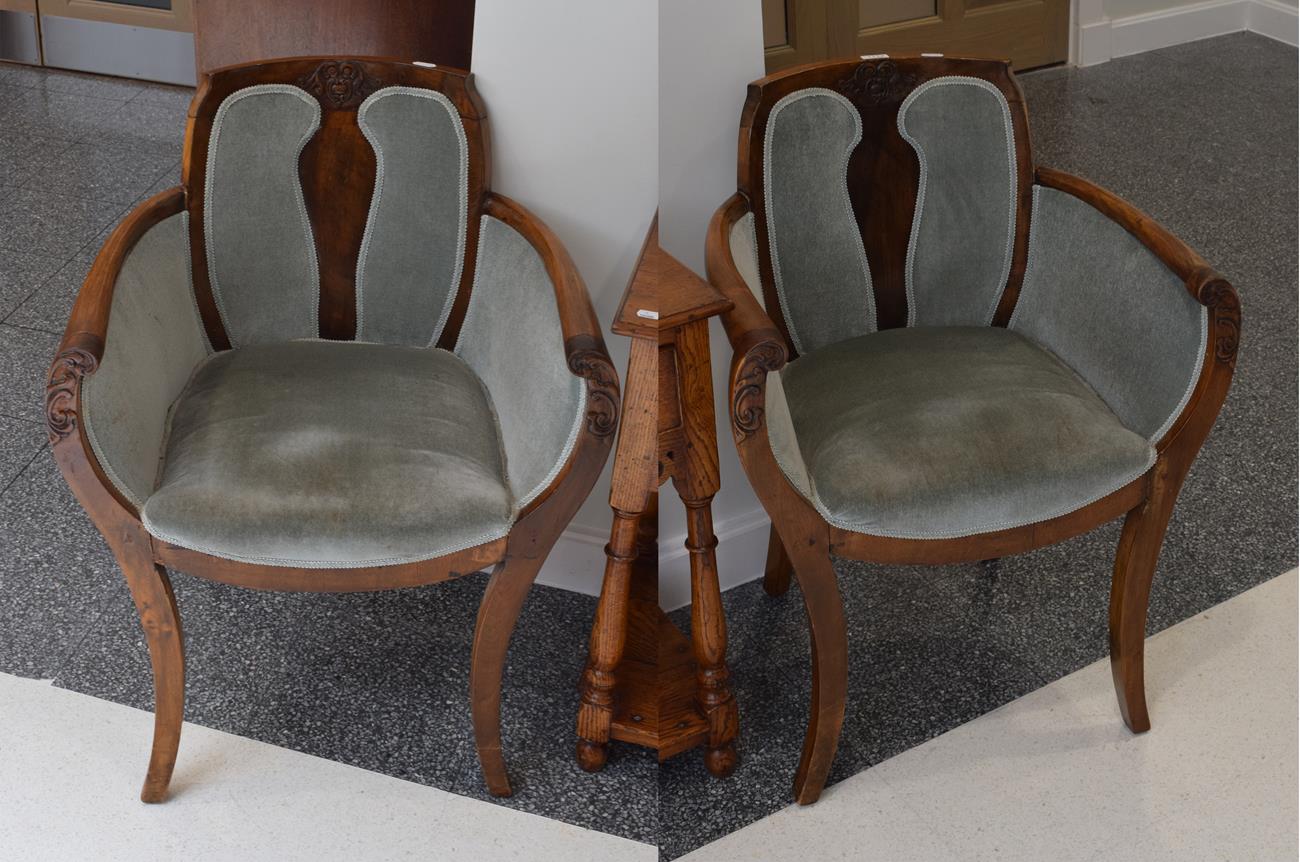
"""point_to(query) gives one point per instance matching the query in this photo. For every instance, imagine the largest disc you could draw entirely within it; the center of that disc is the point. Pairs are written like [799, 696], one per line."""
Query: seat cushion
[330, 455]
[940, 432]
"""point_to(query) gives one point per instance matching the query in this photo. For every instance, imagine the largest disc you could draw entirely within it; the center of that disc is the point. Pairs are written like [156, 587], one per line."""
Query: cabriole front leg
[1135, 565]
[152, 592]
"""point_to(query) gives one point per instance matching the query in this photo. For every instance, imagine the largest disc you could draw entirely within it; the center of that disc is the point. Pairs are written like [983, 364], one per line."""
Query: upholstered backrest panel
[964, 224]
[1143, 356]
[822, 277]
[260, 252]
[414, 247]
[513, 340]
[155, 341]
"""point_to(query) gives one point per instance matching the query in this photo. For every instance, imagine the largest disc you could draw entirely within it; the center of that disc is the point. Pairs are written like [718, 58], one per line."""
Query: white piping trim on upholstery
[844, 194]
[563, 459]
[313, 261]
[331, 564]
[472, 306]
[1031, 269]
[463, 191]
[1191, 384]
[189, 285]
[466, 327]
[986, 528]
[921, 184]
[87, 387]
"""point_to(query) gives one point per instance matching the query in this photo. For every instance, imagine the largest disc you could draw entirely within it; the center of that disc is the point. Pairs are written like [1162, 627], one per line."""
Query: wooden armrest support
[746, 323]
[758, 345]
[88, 324]
[584, 346]
[83, 342]
[1204, 284]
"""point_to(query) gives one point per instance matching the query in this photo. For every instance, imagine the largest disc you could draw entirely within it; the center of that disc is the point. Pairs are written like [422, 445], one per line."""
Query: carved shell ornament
[877, 81]
[66, 374]
[339, 84]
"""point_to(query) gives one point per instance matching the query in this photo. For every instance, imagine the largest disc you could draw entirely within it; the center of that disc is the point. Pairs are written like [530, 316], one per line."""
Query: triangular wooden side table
[646, 682]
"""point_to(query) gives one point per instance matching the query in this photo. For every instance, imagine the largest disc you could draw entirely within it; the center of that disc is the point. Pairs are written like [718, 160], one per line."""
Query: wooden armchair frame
[344, 168]
[802, 542]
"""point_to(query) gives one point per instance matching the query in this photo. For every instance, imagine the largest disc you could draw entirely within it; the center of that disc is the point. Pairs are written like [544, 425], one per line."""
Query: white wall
[571, 88]
[709, 52]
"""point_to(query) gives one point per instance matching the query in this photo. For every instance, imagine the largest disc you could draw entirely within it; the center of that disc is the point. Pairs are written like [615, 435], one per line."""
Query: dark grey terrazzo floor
[379, 681]
[1202, 137]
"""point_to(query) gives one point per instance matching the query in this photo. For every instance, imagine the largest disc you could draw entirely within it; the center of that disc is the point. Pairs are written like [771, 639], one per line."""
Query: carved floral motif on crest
[877, 81]
[339, 84]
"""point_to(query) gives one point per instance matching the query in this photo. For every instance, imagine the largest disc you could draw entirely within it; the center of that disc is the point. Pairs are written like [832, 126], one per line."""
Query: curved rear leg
[152, 592]
[777, 572]
[1135, 564]
[813, 568]
[497, 614]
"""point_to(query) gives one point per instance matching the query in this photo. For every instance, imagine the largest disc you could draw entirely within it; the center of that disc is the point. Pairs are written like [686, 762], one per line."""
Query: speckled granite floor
[1202, 137]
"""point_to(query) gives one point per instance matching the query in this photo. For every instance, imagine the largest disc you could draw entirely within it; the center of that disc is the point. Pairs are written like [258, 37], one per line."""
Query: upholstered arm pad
[514, 340]
[138, 304]
[1112, 295]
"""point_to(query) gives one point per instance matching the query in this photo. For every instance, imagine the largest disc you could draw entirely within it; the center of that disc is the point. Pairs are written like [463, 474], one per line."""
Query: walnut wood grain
[515, 559]
[883, 171]
[337, 170]
[244, 31]
[802, 539]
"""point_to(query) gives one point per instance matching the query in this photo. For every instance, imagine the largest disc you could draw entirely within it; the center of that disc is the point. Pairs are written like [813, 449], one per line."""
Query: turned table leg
[709, 642]
[608, 636]
[696, 481]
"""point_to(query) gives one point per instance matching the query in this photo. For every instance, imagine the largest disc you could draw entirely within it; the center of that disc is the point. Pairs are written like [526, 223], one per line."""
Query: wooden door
[1030, 33]
[240, 31]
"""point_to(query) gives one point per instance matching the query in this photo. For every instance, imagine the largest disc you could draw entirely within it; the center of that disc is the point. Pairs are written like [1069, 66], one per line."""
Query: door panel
[872, 13]
[20, 39]
[1030, 33]
[148, 39]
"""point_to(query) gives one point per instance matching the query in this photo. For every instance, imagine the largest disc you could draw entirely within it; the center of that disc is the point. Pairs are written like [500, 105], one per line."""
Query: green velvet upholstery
[939, 432]
[413, 251]
[512, 340]
[261, 255]
[964, 224]
[1100, 300]
[821, 271]
[330, 455]
[154, 343]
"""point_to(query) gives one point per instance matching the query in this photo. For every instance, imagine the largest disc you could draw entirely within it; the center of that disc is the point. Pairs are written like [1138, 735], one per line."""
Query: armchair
[945, 354]
[333, 360]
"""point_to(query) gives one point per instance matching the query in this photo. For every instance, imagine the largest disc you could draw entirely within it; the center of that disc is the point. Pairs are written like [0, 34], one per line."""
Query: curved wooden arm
[584, 345]
[1197, 275]
[88, 324]
[83, 340]
[1183, 440]
[584, 349]
[79, 355]
[758, 345]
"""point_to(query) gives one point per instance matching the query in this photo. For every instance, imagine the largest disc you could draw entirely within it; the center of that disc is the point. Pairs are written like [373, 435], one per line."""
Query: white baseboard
[741, 552]
[1274, 20]
[1108, 38]
[577, 562]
